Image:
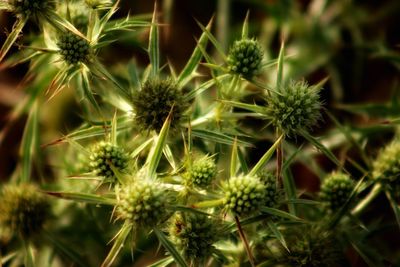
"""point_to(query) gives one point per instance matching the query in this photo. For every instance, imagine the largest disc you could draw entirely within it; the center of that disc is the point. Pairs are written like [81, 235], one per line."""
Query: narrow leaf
[170, 247]
[154, 53]
[274, 229]
[281, 213]
[249, 107]
[114, 129]
[12, 37]
[260, 164]
[234, 159]
[195, 58]
[279, 75]
[214, 41]
[395, 206]
[83, 197]
[118, 244]
[218, 137]
[29, 142]
[157, 150]
[245, 28]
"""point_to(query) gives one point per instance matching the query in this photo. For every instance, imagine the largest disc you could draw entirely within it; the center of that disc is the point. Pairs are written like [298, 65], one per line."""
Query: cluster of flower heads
[74, 49]
[201, 172]
[245, 58]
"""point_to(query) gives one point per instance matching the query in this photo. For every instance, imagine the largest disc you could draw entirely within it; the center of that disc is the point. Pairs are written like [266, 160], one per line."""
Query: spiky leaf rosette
[245, 57]
[272, 194]
[142, 202]
[244, 194]
[295, 108]
[104, 155]
[73, 48]
[154, 102]
[34, 8]
[201, 172]
[194, 235]
[23, 209]
[335, 190]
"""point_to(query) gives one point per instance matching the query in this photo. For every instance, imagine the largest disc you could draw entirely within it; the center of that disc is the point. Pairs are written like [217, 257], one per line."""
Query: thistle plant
[214, 160]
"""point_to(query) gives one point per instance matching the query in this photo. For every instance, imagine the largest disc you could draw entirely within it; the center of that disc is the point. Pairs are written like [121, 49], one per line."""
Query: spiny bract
[104, 155]
[245, 57]
[296, 107]
[35, 8]
[74, 49]
[244, 194]
[335, 190]
[23, 209]
[154, 102]
[142, 203]
[194, 235]
[202, 172]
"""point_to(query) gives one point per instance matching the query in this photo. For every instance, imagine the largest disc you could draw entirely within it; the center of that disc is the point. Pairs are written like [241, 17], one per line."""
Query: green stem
[279, 161]
[367, 200]
[245, 241]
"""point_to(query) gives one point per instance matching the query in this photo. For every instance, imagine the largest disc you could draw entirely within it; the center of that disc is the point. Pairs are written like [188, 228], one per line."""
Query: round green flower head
[245, 57]
[104, 155]
[272, 194]
[73, 48]
[335, 190]
[142, 202]
[202, 172]
[155, 100]
[194, 235]
[386, 167]
[295, 108]
[23, 209]
[244, 194]
[35, 8]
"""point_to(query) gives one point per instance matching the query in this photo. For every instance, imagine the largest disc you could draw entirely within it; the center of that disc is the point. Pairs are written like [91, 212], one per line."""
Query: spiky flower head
[336, 190]
[201, 172]
[386, 167]
[103, 156]
[272, 194]
[194, 235]
[23, 209]
[142, 202]
[295, 108]
[244, 194]
[154, 102]
[312, 247]
[32, 8]
[73, 48]
[245, 57]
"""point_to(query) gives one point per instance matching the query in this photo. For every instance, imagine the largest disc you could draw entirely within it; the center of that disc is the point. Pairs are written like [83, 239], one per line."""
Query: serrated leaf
[117, 245]
[267, 155]
[17, 28]
[170, 247]
[194, 60]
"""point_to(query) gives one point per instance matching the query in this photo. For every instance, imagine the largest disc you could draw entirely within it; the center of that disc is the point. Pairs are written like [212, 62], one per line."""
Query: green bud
[295, 108]
[245, 57]
[201, 172]
[244, 195]
[142, 202]
[154, 102]
[194, 235]
[35, 8]
[74, 49]
[335, 190]
[387, 164]
[103, 156]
